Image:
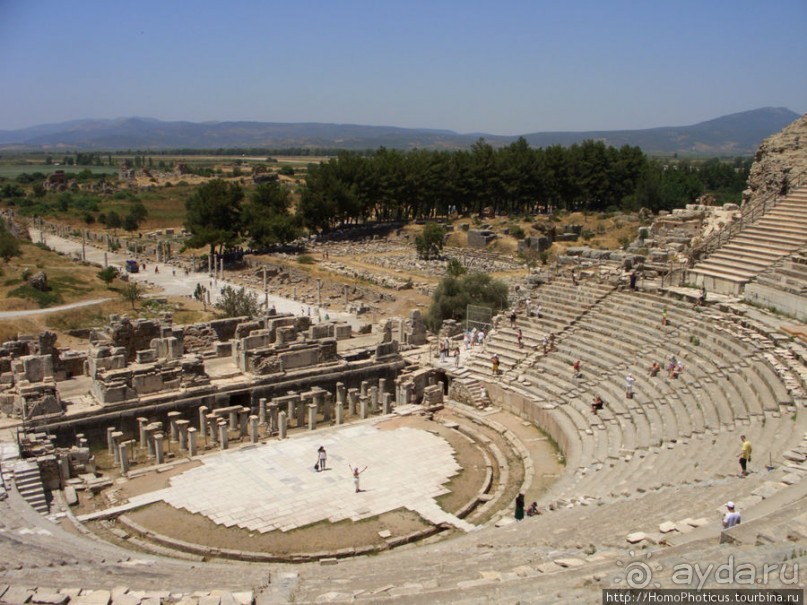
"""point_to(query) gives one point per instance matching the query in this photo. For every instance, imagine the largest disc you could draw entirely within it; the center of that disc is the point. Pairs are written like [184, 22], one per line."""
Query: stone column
[262, 405]
[363, 401]
[327, 403]
[151, 429]
[117, 437]
[352, 401]
[191, 441]
[318, 399]
[300, 413]
[290, 407]
[182, 428]
[109, 443]
[312, 416]
[203, 410]
[172, 420]
[233, 420]
[158, 447]
[382, 385]
[212, 428]
[272, 418]
[123, 456]
[341, 392]
[223, 436]
[141, 423]
[282, 424]
[339, 411]
[253, 429]
[365, 386]
[243, 421]
[387, 403]
[373, 399]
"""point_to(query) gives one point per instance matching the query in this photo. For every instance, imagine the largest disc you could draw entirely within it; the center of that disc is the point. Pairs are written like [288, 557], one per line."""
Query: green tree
[108, 275]
[237, 303]
[130, 223]
[200, 294]
[132, 293]
[113, 220]
[9, 245]
[214, 215]
[455, 268]
[454, 294]
[429, 243]
[266, 218]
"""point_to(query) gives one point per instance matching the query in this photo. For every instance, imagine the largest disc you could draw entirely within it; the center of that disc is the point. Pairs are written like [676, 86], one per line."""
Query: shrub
[517, 232]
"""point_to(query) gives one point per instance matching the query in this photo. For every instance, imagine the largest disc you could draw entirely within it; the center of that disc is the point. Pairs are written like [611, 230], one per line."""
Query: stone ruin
[131, 359]
[29, 370]
[60, 467]
[409, 332]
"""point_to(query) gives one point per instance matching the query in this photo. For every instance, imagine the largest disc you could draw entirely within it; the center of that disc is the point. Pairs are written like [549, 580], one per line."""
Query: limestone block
[70, 495]
[667, 527]
[570, 562]
[125, 599]
[49, 598]
[147, 383]
[17, 595]
[96, 597]
[246, 597]
[636, 537]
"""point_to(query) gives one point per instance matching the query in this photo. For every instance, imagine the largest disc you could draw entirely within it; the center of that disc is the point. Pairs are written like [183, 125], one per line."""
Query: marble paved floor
[274, 486]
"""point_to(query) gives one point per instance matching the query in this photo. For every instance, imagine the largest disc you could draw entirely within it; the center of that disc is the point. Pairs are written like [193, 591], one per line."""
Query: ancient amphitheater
[638, 501]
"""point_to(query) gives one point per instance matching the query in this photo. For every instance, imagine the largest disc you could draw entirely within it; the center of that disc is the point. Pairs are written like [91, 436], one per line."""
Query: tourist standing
[356, 472]
[520, 338]
[745, 455]
[322, 458]
[629, 380]
[519, 507]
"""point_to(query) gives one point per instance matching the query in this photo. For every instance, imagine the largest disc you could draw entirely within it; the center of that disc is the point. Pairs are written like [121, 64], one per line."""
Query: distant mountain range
[737, 134]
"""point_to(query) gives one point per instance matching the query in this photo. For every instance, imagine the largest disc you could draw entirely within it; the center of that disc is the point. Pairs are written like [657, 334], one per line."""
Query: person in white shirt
[732, 517]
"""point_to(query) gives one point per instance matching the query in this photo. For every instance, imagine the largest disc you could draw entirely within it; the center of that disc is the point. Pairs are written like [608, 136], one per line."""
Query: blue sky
[506, 67]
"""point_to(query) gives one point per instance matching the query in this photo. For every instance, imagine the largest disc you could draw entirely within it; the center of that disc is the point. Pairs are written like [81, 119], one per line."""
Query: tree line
[516, 179]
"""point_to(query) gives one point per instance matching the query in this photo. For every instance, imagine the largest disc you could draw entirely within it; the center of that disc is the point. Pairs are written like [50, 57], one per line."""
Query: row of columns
[214, 426]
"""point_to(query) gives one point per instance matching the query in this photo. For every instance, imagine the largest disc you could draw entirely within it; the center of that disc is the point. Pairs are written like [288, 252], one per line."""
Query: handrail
[723, 236]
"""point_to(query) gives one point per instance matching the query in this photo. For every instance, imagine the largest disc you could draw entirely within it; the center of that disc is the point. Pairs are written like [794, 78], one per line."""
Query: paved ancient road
[176, 283]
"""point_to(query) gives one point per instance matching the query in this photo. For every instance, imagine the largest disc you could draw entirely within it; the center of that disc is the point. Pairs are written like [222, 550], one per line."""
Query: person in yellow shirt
[745, 455]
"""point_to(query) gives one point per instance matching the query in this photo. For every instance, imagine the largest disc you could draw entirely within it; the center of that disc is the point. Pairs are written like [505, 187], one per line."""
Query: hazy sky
[504, 67]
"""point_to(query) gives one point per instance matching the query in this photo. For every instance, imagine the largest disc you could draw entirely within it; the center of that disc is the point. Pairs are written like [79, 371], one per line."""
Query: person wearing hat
[732, 517]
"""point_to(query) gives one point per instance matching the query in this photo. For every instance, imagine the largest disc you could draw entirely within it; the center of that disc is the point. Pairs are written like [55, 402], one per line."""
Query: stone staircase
[29, 485]
[778, 233]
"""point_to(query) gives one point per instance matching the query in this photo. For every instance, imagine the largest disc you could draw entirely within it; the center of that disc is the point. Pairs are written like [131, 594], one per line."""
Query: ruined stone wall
[780, 164]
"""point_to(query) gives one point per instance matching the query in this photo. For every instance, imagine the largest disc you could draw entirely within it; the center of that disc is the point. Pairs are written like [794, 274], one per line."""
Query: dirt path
[71, 306]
